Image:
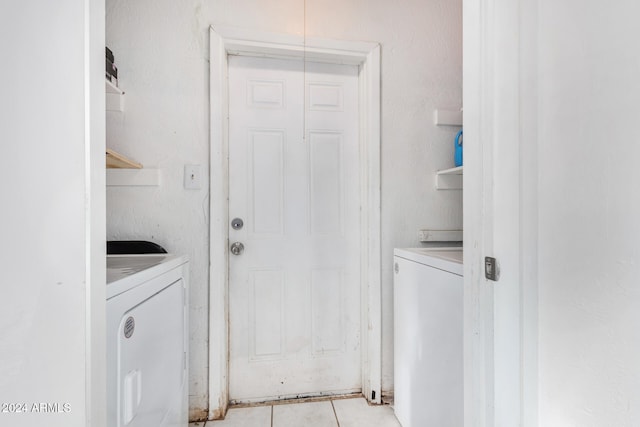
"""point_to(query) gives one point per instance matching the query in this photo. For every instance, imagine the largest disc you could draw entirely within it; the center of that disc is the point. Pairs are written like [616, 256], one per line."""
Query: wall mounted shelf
[115, 97]
[119, 161]
[449, 179]
[447, 117]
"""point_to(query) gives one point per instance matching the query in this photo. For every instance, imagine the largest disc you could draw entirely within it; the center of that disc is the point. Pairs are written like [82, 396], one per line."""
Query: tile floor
[354, 412]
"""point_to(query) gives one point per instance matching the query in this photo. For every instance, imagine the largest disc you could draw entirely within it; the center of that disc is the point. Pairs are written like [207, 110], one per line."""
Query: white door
[294, 291]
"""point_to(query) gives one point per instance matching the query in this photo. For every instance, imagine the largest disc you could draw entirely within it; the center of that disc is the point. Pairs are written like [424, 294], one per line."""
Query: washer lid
[448, 259]
[127, 271]
[122, 266]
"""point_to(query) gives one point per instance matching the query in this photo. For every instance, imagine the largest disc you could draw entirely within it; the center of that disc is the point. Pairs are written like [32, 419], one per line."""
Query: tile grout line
[335, 414]
[271, 415]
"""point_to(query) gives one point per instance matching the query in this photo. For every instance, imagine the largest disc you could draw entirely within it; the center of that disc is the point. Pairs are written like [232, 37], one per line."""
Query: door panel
[294, 292]
[326, 182]
[266, 179]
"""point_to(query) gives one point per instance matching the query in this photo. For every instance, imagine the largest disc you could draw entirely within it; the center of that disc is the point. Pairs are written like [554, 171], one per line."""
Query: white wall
[589, 250]
[161, 49]
[53, 213]
[161, 52]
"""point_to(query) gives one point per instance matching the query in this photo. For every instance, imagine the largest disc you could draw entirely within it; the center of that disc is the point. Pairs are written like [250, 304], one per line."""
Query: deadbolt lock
[237, 223]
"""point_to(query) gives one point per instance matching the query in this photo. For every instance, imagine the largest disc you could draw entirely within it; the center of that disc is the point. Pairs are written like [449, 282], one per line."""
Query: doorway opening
[366, 56]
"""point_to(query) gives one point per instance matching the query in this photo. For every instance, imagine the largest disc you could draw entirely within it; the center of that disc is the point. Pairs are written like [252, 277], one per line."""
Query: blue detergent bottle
[458, 149]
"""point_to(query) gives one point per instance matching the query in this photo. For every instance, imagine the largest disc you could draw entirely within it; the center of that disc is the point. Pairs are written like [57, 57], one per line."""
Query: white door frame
[500, 212]
[226, 41]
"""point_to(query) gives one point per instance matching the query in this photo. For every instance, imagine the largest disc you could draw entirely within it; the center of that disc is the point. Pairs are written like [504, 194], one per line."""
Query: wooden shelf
[124, 172]
[116, 160]
[114, 97]
[449, 179]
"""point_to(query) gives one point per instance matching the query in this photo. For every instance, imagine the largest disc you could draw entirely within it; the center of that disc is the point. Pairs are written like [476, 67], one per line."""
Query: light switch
[192, 177]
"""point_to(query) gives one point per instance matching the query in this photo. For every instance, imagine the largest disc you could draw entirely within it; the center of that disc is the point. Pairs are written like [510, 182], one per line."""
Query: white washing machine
[147, 340]
[428, 318]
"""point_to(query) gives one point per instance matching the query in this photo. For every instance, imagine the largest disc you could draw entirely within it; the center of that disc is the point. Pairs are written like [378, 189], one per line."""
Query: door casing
[501, 212]
[223, 42]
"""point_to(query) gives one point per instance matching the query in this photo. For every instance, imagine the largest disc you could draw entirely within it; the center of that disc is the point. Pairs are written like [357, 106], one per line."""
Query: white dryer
[147, 340]
[428, 319]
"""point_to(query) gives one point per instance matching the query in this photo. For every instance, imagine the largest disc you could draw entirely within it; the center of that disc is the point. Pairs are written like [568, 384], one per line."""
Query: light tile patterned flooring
[354, 412]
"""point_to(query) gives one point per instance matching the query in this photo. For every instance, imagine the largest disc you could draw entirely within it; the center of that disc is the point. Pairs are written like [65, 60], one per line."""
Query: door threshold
[296, 399]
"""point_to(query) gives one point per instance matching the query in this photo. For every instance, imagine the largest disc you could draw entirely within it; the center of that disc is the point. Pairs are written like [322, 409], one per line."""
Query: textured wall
[161, 49]
[161, 53]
